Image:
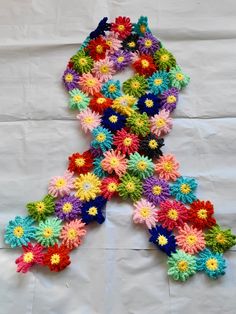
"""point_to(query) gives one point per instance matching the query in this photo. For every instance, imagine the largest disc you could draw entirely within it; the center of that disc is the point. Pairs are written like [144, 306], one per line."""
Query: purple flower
[70, 79]
[169, 99]
[96, 152]
[156, 190]
[121, 59]
[68, 208]
[148, 44]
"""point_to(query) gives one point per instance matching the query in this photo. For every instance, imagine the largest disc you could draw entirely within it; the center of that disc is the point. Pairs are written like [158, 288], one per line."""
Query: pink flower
[89, 119]
[166, 167]
[113, 42]
[161, 123]
[145, 213]
[33, 254]
[114, 161]
[103, 69]
[190, 239]
[61, 185]
[72, 233]
[89, 84]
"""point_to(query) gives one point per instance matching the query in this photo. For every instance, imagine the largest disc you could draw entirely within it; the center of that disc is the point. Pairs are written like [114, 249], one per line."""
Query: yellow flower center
[101, 100]
[127, 141]
[93, 211]
[60, 183]
[162, 240]
[142, 28]
[212, 264]
[99, 49]
[148, 43]
[160, 123]
[135, 84]
[40, 206]
[157, 189]
[113, 119]
[28, 257]
[67, 208]
[185, 188]
[112, 187]
[120, 59]
[55, 259]
[69, 78]
[112, 88]
[109, 42]
[171, 99]
[114, 162]
[191, 239]
[165, 58]
[202, 213]
[130, 186]
[179, 76]
[142, 165]
[101, 137]
[149, 103]
[18, 232]
[168, 166]
[121, 28]
[104, 69]
[182, 265]
[220, 238]
[89, 120]
[153, 144]
[79, 162]
[145, 212]
[131, 44]
[72, 234]
[139, 122]
[145, 63]
[158, 82]
[91, 82]
[48, 232]
[172, 214]
[77, 98]
[83, 61]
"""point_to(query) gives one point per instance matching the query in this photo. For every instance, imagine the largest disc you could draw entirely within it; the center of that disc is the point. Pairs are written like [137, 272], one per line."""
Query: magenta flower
[156, 190]
[61, 185]
[33, 254]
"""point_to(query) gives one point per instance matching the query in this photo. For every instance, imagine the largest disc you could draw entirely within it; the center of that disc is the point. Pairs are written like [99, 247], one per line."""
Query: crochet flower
[148, 103]
[183, 190]
[124, 104]
[190, 239]
[144, 65]
[96, 152]
[78, 100]
[177, 78]
[144, 213]
[135, 86]
[121, 59]
[68, 208]
[148, 44]
[169, 99]
[102, 138]
[164, 59]
[19, 231]
[122, 26]
[98, 170]
[181, 265]
[126, 142]
[70, 79]
[213, 264]
[140, 166]
[48, 231]
[163, 239]
[114, 162]
[57, 258]
[113, 42]
[99, 103]
[72, 233]
[103, 69]
[97, 48]
[113, 120]
[141, 27]
[61, 185]
[131, 43]
[87, 186]
[139, 123]
[109, 187]
[100, 29]
[201, 214]
[220, 240]
[39, 210]
[130, 187]
[111, 89]
[156, 190]
[167, 168]
[89, 84]
[89, 120]
[151, 146]
[158, 82]
[80, 163]
[82, 62]
[93, 210]
[32, 255]
[172, 214]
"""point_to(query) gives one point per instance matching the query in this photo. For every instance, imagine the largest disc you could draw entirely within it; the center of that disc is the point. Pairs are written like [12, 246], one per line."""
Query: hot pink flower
[61, 185]
[113, 42]
[89, 119]
[72, 233]
[114, 161]
[145, 213]
[161, 123]
[89, 84]
[33, 254]
[166, 167]
[103, 69]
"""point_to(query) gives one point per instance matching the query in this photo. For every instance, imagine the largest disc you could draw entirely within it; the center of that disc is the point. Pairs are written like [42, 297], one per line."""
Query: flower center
[99, 49]
[93, 211]
[83, 61]
[113, 119]
[149, 103]
[135, 84]
[91, 82]
[171, 99]
[112, 88]
[145, 63]
[212, 264]
[142, 165]
[18, 231]
[101, 137]
[162, 240]
[77, 98]
[153, 144]
[179, 76]
[130, 186]
[89, 120]
[139, 122]
[142, 28]
[165, 58]
[158, 82]
[60, 183]
[79, 162]
[69, 78]
[67, 208]
[185, 188]
[127, 141]
[172, 214]
[131, 44]
[72, 234]
[220, 238]
[28, 257]
[145, 212]
[55, 259]
[120, 59]
[48, 232]
[112, 187]
[86, 186]
[40, 206]
[168, 166]
[160, 123]
[114, 162]
[101, 100]
[202, 213]
[191, 239]
[121, 28]
[148, 43]
[157, 189]
[182, 265]
[104, 69]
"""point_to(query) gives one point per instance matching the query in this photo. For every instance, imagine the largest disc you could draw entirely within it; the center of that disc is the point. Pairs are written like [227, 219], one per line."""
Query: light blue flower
[111, 89]
[213, 264]
[98, 170]
[158, 82]
[141, 27]
[102, 138]
[183, 190]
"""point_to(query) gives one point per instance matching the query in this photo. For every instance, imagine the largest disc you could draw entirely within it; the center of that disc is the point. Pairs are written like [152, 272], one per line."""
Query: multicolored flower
[144, 213]
[122, 27]
[126, 142]
[97, 48]
[113, 120]
[47, 232]
[177, 78]
[98, 170]
[151, 146]
[80, 163]
[33, 254]
[169, 99]
[109, 187]
[139, 123]
[68, 208]
[163, 239]
[149, 103]
[82, 62]
[70, 79]
[89, 84]
[102, 138]
[114, 162]
[164, 59]
[87, 186]
[158, 82]
[131, 43]
[104, 69]
[124, 104]
[61, 185]
[111, 89]
[89, 119]
[156, 190]
[130, 187]
[167, 168]
[213, 264]
[201, 214]
[121, 59]
[57, 258]
[99, 103]
[72, 233]
[141, 27]
[220, 240]
[148, 44]
[39, 210]
[78, 100]
[94, 210]
[135, 86]
[140, 166]
[183, 190]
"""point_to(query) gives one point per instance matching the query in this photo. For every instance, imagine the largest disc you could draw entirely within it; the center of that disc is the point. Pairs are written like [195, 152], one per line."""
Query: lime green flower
[177, 78]
[140, 166]
[220, 240]
[139, 123]
[135, 86]
[130, 187]
[82, 63]
[164, 59]
[39, 210]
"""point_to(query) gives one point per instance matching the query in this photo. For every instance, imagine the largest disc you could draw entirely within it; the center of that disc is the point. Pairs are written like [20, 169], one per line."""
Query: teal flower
[140, 166]
[158, 82]
[183, 190]
[177, 78]
[102, 138]
[135, 86]
[19, 231]
[97, 170]
[111, 89]
[78, 100]
[213, 264]
[141, 27]
[48, 231]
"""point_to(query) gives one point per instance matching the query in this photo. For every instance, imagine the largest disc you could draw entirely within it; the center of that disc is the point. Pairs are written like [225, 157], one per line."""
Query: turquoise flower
[111, 89]
[102, 138]
[78, 100]
[177, 78]
[158, 82]
[141, 27]
[98, 170]
[183, 190]
[213, 264]
[19, 231]
[140, 166]
[48, 231]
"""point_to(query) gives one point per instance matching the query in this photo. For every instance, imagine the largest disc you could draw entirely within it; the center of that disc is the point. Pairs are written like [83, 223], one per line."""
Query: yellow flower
[87, 186]
[124, 104]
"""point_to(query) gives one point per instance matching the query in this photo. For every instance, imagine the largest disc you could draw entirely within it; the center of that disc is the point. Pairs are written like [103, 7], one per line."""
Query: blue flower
[163, 239]
[93, 210]
[183, 190]
[101, 28]
[141, 27]
[102, 138]
[149, 103]
[113, 120]
[98, 168]
[213, 264]
[19, 231]
[111, 89]
[158, 82]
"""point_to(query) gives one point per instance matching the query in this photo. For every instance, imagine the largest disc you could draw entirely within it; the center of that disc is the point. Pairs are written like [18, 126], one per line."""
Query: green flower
[78, 100]
[220, 240]
[140, 166]
[135, 86]
[82, 63]
[39, 210]
[177, 78]
[164, 59]
[139, 123]
[48, 231]
[130, 187]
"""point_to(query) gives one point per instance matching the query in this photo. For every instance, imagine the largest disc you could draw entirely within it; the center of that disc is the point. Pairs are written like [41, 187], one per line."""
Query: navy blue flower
[101, 28]
[113, 120]
[163, 239]
[93, 210]
[149, 103]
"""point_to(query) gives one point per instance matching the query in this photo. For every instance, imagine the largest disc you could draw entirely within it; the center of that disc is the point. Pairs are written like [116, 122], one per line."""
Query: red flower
[109, 187]
[99, 103]
[97, 48]
[126, 142]
[122, 27]
[80, 163]
[144, 65]
[57, 258]
[70, 65]
[200, 214]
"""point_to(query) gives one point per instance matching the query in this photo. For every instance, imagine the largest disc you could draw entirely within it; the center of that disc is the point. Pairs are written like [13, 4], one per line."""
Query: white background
[115, 271]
